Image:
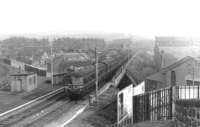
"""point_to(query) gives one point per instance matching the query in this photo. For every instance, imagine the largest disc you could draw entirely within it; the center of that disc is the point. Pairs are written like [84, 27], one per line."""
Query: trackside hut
[23, 82]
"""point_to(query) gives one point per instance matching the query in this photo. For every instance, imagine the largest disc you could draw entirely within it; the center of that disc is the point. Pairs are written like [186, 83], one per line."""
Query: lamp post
[97, 71]
[51, 46]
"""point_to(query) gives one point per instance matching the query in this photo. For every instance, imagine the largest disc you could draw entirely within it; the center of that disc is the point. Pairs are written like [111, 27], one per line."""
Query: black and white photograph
[99, 63]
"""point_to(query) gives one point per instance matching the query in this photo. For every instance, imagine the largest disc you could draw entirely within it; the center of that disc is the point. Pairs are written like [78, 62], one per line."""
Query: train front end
[75, 87]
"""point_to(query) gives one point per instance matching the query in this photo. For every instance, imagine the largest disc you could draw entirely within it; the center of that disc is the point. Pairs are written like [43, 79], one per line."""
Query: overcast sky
[135, 17]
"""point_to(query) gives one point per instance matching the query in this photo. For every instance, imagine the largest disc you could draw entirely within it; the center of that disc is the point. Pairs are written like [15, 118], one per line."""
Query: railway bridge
[122, 71]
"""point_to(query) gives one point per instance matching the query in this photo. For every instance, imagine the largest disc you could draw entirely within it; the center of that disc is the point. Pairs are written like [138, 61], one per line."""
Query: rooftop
[158, 76]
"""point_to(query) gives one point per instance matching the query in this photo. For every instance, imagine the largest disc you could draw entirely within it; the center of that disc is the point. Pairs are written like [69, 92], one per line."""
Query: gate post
[173, 97]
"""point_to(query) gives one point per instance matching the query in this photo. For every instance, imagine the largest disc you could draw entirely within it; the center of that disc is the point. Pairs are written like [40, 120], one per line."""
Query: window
[121, 104]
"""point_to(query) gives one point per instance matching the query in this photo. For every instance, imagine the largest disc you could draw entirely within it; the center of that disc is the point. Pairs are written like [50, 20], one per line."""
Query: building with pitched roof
[183, 72]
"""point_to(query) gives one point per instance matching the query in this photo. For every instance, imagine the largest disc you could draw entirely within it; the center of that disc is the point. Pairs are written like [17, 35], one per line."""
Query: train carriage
[84, 82]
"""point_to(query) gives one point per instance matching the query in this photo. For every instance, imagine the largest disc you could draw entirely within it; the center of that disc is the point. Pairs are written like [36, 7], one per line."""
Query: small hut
[23, 82]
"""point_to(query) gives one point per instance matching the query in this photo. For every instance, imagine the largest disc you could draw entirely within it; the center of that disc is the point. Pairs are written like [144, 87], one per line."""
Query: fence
[179, 102]
[158, 105]
[187, 106]
[154, 105]
[188, 92]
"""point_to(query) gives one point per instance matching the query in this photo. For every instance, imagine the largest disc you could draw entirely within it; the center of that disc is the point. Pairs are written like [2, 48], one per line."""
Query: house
[23, 82]
[62, 63]
[182, 72]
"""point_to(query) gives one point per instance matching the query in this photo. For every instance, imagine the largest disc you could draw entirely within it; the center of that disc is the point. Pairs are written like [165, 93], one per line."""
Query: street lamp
[97, 71]
[51, 46]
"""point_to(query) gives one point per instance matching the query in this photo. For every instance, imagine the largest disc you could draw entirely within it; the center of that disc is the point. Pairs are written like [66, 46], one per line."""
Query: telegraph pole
[96, 70]
[51, 46]
[128, 54]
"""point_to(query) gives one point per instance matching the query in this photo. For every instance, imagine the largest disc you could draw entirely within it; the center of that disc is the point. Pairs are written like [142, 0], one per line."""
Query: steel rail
[30, 104]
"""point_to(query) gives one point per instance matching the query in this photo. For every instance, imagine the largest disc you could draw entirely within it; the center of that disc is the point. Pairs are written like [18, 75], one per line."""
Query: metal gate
[153, 105]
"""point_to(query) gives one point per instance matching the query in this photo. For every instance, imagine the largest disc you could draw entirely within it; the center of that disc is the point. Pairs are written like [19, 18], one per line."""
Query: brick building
[183, 72]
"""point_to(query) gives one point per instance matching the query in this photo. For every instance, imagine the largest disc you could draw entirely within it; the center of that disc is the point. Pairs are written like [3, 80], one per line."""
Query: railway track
[54, 115]
[35, 112]
[38, 113]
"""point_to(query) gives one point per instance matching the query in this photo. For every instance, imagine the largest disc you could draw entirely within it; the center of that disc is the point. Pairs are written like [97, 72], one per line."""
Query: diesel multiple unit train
[81, 83]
